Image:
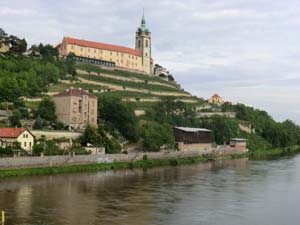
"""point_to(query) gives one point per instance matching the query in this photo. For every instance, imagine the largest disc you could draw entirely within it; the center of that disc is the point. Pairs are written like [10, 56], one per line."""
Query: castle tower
[143, 44]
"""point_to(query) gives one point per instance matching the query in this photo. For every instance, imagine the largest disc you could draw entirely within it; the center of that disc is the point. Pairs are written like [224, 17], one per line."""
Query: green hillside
[140, 89]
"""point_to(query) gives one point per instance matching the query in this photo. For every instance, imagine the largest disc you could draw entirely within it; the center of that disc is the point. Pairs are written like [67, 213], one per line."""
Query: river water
[225, 192]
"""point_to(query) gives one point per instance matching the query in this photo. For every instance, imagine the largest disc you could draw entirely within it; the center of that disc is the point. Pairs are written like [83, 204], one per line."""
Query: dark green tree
[15, 119]
[46, 110]
[120, 116]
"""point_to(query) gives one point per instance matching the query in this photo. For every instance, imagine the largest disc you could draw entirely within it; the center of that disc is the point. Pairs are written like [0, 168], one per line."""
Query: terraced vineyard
[140, 90]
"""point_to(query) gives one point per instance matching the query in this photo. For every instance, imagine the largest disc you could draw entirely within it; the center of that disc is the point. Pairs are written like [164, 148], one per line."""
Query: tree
[46, 110]
[156, 135]
[17, 45]
[48, 52]
[91, 136]
[122, 117]
[99, 138]
[70, 62]
[15, 119]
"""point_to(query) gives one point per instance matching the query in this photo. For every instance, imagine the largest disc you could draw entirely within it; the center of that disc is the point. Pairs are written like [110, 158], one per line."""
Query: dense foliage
[97, 137]
[117, 114]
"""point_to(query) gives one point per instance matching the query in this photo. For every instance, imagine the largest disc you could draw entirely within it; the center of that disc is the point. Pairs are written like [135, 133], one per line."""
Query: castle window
[146, 43]
[146, 54]
[139, 43]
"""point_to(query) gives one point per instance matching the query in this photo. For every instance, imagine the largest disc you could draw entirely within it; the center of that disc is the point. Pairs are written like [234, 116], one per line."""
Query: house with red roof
[17, 136]
[216, 99]
[110, 55]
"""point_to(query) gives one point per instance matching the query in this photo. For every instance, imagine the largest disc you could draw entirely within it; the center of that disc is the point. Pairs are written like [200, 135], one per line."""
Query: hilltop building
[138, 59]
[4, 48]
[76, 108]
[188, 138]
[216, 99]
[16, 136]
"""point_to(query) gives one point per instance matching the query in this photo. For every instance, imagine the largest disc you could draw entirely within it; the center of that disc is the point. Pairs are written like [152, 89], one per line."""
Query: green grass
[62, 86]
[97, 69]
[274, 153]
[101, 167]
[32, 105]
[146, 86]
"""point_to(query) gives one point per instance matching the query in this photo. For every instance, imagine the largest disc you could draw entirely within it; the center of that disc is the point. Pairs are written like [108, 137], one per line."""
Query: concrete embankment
[57, 161]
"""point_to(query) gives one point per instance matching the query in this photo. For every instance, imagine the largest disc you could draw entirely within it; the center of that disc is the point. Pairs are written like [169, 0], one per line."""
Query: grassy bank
[146, 163]
[101, 167]
[274, 153]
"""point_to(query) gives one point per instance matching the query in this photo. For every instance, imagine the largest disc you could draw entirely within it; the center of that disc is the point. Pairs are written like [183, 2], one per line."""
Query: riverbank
[144, 163]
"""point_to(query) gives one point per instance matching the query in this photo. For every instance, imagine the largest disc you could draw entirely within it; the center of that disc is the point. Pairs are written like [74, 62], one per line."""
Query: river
[224, 192]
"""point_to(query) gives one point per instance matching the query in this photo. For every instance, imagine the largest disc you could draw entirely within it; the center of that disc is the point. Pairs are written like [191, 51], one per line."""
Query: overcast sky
[246, 50]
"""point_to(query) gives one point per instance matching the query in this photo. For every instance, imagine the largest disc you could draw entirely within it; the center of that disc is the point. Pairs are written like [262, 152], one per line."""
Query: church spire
[143, 27]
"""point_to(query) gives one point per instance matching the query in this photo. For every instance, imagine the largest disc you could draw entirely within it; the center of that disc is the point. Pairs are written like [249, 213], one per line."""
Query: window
[146, 54]
[146, 43]
[139, 43]
[81, 49]
[95, 51]
[72, 46]
[25, 144]
[110, 53]
[88, 50]
[30, 144]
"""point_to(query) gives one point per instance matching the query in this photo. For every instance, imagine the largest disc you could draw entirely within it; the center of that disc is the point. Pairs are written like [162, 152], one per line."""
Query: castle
[138, 59]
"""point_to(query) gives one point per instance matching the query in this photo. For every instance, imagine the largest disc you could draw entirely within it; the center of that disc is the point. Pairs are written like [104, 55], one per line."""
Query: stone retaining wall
[49, 161]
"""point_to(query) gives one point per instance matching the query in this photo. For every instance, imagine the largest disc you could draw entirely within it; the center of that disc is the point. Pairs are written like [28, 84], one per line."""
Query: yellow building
[22, 136]
[4, 48]
[76, 108]
[138, 59]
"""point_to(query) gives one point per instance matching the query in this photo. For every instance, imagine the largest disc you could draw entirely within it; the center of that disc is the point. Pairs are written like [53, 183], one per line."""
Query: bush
[145, 157]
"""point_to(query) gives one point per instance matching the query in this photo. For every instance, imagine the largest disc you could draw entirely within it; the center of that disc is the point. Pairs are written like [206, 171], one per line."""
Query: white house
[22, 136]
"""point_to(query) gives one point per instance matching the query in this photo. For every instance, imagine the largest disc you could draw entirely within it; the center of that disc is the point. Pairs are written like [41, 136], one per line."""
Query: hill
[27, 79]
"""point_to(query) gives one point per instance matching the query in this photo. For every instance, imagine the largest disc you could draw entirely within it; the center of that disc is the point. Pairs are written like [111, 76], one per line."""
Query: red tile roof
[74, 92]
[11, 132]
[216, 96]
[99, 45]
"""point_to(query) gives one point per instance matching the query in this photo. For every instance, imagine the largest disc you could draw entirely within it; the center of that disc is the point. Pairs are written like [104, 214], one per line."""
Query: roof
[191, 129]
[216, 96]
[74, 92]
[99, 45]
[11, 132]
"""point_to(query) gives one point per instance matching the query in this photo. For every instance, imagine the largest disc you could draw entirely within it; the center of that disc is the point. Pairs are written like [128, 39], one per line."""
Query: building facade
[4, 48]
[188, 138]
[76, 108]
[16, 137]
[138, 59]
[216, 99]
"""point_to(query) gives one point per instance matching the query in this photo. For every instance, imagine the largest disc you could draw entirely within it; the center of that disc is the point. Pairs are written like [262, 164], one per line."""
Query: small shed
[238, 143]
[189, 138]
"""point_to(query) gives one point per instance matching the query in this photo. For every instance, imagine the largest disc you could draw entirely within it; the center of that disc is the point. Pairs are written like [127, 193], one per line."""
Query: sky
[247, 51]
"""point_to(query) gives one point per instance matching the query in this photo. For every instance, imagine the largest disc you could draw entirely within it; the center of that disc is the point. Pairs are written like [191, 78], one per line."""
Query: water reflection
[222, 192]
